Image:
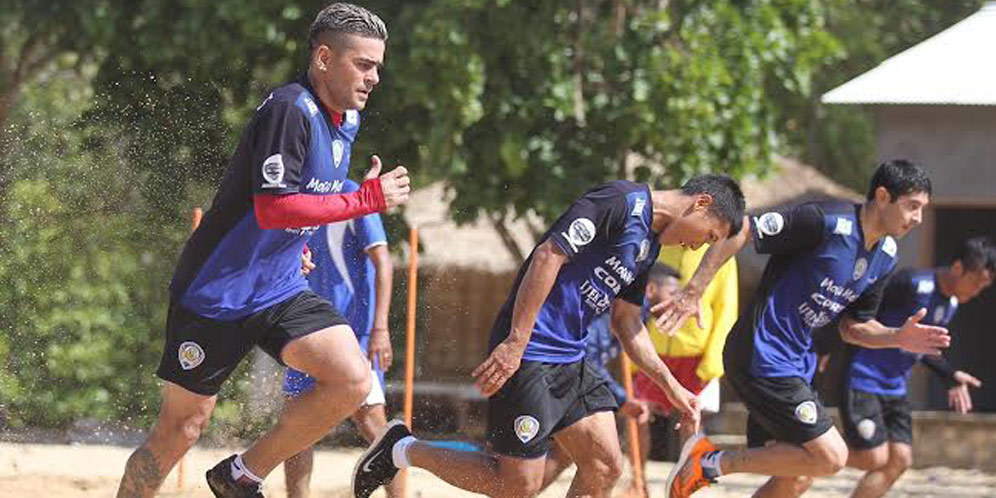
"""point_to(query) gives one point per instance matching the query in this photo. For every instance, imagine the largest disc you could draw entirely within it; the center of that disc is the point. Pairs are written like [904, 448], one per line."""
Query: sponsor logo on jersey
[860, 267]
[324, 187]
[312, 108]
[638, 206]
[580, 233]
[526, 428]
[273, 172]
[806, 412]
[190, 355]
[769, 224]
[925, 287]
[889, 246]
[644, 250]
[337, 151]
[844, 227]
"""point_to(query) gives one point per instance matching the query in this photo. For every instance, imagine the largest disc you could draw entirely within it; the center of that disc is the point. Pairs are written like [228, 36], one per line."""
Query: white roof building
[955, 67]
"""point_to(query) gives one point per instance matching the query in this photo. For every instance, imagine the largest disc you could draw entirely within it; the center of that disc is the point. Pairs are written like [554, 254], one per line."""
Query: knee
[900, 461]
[608, 470]
[180, 432]
[831, 457]
[350, 383]
[522, 485]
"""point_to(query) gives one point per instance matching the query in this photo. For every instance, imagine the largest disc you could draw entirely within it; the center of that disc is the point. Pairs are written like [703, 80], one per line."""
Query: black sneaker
[220, 480]
[375, 467]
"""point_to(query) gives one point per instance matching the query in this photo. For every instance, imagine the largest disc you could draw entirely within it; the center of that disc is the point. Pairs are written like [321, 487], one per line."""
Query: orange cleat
[688, 475]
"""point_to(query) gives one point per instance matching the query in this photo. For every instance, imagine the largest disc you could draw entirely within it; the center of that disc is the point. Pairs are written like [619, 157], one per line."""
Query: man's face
[658, 292]
[969, 283]
[904, 214]
[696, 226]
[352, 70]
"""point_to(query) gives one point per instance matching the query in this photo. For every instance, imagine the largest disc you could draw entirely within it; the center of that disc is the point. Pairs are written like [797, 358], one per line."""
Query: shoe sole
[366, 453]
[686, 450]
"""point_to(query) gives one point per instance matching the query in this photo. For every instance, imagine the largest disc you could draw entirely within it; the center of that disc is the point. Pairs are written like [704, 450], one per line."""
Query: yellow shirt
[718, 310]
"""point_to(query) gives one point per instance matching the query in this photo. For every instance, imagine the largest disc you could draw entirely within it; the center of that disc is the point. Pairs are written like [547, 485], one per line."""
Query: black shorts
[201, 353]
[785, 409]
[872, 419]
[541, 399]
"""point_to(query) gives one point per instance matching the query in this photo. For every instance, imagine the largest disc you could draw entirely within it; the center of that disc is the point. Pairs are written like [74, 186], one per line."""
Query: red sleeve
[308, 210]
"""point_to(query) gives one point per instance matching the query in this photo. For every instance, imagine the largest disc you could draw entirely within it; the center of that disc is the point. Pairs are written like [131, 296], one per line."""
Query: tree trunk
[498, 222]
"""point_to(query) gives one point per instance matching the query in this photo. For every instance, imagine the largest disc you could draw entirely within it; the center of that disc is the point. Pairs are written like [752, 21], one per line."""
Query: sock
[400, 452]
[240, 472]
[711, 461]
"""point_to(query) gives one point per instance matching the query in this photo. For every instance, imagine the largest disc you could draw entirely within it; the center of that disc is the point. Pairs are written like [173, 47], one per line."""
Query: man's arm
[635, 340]
[380, 338]
[685, 303]
[539, 278]
[297, 210]
[912, 336]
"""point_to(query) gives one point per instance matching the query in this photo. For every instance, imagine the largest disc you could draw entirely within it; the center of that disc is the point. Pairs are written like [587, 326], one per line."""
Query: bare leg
[557, 462]
[479, 472]
[594, 445]
[877, 481]
[342, 380]
[297, 473]
[371, 420]
[181, 419]
[825, 455]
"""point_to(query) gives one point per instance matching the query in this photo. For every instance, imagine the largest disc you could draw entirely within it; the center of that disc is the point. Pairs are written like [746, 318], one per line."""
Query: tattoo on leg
[142, 475]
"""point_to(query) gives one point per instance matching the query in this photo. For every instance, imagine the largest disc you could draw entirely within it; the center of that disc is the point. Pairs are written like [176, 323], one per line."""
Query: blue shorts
[297, 382]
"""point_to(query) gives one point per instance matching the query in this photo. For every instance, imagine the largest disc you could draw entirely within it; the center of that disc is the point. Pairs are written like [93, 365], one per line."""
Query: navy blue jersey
[885, 371]
[231, 268]
[610, 248]
[819, 268]
[343, 271]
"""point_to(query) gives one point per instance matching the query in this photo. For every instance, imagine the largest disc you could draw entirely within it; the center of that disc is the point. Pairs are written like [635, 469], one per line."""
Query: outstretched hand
[922, 339]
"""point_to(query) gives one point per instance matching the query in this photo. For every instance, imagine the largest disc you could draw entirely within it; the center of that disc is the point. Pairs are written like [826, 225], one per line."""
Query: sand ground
[83, 471]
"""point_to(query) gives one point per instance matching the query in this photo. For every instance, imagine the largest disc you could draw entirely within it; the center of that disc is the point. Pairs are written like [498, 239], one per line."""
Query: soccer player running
[827, 259]
[353, 272]
[238, 282]
[595, 258]
[878, 425]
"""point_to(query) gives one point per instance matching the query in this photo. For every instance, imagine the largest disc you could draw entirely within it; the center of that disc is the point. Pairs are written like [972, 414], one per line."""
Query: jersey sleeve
[280, 138]
[788, 231]
[590, 218]
[940, 366]
[634, 293]
[370, 231]
[865, 307]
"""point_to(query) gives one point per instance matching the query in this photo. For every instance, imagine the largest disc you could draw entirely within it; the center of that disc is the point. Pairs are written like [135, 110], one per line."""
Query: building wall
[955, 143]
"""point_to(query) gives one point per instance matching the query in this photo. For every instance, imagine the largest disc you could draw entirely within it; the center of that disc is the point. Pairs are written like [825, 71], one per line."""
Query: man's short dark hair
[346, 19]
[976, 253]
[727, 198]
[660, 272]
[899, 177]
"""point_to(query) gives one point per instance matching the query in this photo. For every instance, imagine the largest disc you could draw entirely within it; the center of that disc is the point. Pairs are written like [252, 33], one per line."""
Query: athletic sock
[711, 461]
[399, 454]
[242, 473]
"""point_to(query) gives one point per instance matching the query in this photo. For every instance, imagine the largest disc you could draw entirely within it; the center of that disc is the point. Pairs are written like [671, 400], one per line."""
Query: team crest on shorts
[806, 412]
[860, 267]
[191, 354]
[526, 427]
[866, 429]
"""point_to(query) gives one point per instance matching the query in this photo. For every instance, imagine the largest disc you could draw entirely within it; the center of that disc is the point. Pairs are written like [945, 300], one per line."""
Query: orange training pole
[195, 221]
[632, 431]
[410, 340]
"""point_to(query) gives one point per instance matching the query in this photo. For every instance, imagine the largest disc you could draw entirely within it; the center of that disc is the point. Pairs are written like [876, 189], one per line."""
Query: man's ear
[703, 201]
